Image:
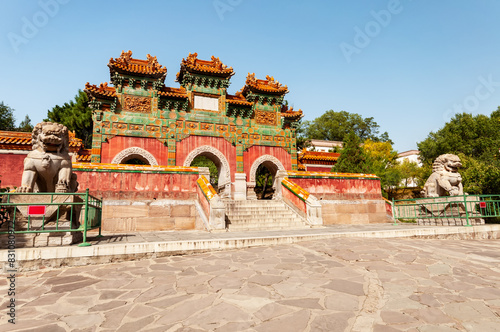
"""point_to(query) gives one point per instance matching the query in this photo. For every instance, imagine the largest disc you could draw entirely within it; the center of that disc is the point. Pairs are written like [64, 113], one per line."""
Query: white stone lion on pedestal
[445, 179]
[48, 167]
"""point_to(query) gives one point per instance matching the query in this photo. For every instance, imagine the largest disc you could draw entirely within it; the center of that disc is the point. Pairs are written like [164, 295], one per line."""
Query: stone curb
[28, 259]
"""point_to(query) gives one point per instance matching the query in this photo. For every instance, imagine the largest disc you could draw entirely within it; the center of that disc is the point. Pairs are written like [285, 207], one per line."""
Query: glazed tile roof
[16, 140]
[290, 114]
[102, 91]
[269, 85]
[173, 92]
[212, 67]
[237, 99]
[128, 65]
[12, 140]
[318, 156]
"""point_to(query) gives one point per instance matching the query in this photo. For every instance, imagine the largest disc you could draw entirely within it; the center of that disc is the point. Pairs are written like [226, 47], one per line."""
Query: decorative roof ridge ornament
[153, 62]
[273, 83]
[191, 58]
[269, 85]
[124, 57]
[128, 65]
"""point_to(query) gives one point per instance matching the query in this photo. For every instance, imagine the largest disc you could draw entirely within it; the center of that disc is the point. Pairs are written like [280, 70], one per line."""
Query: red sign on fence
[36, 210]
[482, 205]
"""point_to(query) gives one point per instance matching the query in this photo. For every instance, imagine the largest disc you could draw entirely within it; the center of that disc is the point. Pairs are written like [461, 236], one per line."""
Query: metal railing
[51, 213]
[463, 207]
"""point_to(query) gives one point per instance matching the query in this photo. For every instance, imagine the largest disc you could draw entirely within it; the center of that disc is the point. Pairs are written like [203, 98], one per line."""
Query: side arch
[270, 161]
[134, 152]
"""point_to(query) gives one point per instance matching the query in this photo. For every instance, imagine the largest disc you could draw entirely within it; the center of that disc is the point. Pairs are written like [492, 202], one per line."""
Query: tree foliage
[202, 161]
[303, 142]
[475, 136]
[7, 119]
[335, 126]
[353, 158]
[26, 125]
[382, 162]
[476, 140]
[76, 115]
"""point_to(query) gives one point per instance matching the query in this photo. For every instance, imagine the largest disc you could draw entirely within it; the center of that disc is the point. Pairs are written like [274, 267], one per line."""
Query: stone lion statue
[445, 179]
[48, 167]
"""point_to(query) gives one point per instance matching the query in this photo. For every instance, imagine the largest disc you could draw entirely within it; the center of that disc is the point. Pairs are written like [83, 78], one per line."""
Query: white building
[411, 155]
[324, 146]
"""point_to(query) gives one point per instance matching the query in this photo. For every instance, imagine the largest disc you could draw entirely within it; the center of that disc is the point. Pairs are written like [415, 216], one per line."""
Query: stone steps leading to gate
[261, 215]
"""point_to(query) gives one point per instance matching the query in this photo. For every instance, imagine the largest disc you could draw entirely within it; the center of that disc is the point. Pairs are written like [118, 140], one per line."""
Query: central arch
[219, 160]
[134, 152]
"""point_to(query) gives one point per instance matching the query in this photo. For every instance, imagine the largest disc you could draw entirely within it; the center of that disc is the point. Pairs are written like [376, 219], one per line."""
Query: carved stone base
[240, 187]
[30, 240]
[68, 219]
[449, 211]
[251, 195]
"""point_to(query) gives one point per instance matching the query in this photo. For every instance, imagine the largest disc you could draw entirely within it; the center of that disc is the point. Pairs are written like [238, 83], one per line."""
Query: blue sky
[408, 64]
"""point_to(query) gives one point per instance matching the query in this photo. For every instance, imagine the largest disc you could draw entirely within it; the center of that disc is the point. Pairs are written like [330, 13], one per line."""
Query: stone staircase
[261, 215]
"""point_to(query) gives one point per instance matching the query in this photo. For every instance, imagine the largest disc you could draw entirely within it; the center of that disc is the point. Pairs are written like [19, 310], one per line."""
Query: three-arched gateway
[249, 136]
[140, 120]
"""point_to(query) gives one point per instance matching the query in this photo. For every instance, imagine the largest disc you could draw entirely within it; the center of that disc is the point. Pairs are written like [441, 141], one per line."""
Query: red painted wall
[186, 146]
[119, 143]
[255, 152]
[11, 169]
[122, 185]
[332, 188]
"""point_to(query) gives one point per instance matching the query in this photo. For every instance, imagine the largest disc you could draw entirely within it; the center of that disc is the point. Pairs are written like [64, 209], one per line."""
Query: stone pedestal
[217, 218]
[251, 195]
[240, 187]
[56, 217]
[225, 190]
[448, 211]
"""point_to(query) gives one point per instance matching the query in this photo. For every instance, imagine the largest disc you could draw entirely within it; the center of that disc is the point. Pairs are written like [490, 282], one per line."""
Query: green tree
[382, 162]
[479, 177]
[202, 161]
[353, 158]
[76, 115]
[7, 120]
[303, 142]
[335, 126]
[26, 125]
[475, 136]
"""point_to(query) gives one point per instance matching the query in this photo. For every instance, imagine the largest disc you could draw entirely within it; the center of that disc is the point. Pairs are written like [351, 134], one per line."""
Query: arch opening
[219, 160]
[262, 175]
[264, 180]
[135, 156]
[211, 163]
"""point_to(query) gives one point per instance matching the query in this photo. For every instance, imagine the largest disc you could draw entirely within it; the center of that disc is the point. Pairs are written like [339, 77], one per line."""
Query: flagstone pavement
[343, 284]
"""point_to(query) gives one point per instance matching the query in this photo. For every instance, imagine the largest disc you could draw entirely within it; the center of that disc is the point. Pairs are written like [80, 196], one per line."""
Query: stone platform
[355, 279]
[113, 247]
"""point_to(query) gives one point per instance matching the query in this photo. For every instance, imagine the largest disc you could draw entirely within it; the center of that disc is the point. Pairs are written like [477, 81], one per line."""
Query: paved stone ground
[346, 284]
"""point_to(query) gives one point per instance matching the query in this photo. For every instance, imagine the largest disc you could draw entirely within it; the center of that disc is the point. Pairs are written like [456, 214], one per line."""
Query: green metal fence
[464, 207]
[51, 213]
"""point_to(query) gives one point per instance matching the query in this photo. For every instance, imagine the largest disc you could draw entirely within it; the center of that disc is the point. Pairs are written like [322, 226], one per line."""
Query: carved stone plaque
[266, 118]
[137, 104]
